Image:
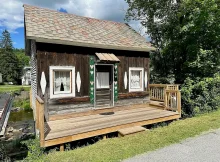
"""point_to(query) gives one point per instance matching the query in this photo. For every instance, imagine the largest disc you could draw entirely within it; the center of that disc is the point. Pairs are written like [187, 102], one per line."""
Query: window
[62, 81]
[136, 79]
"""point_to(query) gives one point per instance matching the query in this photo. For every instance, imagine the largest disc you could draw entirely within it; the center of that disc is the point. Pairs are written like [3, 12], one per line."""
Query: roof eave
[83, 44]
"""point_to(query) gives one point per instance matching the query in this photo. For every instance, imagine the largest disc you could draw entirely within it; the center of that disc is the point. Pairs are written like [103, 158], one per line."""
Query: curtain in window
[61, 81]
[135, 79]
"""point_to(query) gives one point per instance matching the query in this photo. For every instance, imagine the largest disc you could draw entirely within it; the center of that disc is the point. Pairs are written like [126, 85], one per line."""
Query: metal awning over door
[107, 57]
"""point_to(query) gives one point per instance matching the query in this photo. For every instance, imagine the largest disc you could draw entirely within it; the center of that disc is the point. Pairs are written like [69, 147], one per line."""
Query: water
[21, 115]
[22, 123]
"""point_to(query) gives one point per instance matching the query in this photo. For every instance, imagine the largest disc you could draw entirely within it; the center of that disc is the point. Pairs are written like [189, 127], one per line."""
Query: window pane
[62, 81]
[135, 79]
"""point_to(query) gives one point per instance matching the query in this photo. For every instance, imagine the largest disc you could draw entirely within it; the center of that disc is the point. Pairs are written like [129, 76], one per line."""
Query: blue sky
[17, 35]
[11, 17]
[18, 38]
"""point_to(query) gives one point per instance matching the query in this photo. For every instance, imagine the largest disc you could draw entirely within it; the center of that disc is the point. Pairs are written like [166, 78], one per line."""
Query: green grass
[13, 88]
[116, 149]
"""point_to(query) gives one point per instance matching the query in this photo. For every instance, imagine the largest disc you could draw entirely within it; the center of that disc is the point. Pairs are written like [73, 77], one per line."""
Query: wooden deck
[164, 105]
[71, 129]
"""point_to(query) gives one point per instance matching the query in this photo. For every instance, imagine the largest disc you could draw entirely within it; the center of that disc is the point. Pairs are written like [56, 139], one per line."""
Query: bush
[200, 96]
[34, 149]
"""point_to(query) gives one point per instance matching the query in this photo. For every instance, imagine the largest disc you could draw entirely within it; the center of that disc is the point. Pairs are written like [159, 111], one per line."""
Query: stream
[20, 127]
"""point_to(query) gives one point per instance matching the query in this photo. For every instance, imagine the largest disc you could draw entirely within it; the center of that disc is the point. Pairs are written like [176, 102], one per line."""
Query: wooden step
[157, 103]
[103, 97]
[130, 130]
[102, 92]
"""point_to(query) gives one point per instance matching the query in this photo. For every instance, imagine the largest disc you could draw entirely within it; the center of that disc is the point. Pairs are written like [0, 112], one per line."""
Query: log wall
[62, 55]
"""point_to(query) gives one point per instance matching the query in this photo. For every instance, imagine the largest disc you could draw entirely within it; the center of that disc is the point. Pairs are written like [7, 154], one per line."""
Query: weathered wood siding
[80, 61]
[130, 61]
[60, 55]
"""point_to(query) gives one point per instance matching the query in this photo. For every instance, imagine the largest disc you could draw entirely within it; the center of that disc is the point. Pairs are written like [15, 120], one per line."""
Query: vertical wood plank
[165, 99]
[179, 102]
[61, 147]
[41, 123]
[37, 115]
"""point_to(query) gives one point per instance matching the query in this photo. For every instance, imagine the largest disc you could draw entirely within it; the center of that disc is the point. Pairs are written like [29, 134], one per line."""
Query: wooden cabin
[91, 77]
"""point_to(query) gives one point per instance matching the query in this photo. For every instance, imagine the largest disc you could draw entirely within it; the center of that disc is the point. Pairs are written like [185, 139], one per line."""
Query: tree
[8, 60]
[186, 34]
[5, 41]
[23, 60]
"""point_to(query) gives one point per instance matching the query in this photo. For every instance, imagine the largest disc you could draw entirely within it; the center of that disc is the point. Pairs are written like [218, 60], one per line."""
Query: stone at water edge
[10, 129]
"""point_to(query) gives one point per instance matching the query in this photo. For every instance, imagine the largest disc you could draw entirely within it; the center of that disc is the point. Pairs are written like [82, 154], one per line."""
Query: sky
[12, 13]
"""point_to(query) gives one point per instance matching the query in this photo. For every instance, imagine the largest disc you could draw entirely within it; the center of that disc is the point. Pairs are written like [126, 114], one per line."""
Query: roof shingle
[50, 26]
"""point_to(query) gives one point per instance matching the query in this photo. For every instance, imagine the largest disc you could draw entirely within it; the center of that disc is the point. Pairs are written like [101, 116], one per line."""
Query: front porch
[164, 105]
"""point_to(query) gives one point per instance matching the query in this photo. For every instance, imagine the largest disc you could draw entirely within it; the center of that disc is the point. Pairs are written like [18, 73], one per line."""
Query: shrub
[34, 149]
[200, 96]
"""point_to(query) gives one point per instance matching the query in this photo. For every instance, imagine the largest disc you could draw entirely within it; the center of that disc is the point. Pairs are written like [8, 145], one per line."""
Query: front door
[104, 86]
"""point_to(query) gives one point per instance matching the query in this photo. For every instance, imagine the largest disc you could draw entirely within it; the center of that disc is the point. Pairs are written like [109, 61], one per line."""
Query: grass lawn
[13, 88]
[116, 149]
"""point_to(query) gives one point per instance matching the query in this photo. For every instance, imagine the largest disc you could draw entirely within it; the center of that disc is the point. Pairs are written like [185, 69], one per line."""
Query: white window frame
[71, 93]
[142, 78]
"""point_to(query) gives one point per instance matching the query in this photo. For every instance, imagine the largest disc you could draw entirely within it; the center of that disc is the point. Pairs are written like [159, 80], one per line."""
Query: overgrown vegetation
[15, 147]
[34, 149]
[199, 96]
[22, 103]
[116, 149]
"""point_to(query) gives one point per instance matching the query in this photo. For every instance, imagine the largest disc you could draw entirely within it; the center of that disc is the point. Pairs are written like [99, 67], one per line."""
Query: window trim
[72, 79]
[142, 78]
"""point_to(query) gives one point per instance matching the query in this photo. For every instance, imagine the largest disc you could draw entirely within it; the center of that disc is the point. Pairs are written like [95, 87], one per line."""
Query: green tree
[8, 60]
[5, 41]
[186, 34]
[23, 60]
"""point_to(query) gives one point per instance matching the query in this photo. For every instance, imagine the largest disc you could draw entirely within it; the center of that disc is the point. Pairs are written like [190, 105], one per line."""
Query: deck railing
[157, 92]
[167, 95]
[40, 124]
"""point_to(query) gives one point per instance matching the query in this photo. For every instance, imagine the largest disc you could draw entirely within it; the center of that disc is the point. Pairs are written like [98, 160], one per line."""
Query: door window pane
[102, 80]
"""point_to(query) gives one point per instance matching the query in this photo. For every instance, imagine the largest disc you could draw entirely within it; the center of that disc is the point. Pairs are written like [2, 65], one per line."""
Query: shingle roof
[50, 26]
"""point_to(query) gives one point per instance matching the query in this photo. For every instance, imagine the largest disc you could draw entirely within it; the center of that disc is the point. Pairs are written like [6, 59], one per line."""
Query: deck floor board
[77, 125]
[106, 119]
[97, 116]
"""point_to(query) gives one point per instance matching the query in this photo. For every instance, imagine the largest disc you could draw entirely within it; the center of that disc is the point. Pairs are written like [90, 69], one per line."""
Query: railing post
[41, 124]
[31, 98]
[179, 102]
[40, 118]
[165, 98]
[37, 114]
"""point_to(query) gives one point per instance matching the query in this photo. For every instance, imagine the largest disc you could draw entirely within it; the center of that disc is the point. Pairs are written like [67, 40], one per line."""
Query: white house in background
[26, 78]
[0, 78]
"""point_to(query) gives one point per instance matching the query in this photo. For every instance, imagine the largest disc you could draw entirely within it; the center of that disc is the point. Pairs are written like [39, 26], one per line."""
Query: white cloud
[11, 16]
